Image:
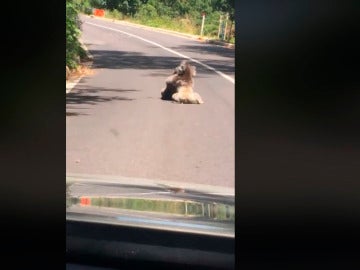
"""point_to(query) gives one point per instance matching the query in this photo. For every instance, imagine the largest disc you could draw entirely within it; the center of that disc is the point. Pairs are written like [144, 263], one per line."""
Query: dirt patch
[84, 69]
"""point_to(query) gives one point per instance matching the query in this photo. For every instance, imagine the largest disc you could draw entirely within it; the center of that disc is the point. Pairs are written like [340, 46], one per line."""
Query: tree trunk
[229, 35]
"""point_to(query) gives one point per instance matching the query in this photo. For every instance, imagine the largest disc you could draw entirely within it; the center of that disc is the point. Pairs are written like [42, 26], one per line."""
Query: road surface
[118, 125]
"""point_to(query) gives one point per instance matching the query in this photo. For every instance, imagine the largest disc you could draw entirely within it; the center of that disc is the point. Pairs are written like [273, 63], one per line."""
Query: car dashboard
[111, 224]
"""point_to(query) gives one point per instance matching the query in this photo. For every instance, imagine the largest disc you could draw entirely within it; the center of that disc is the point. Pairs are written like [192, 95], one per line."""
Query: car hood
[156, 204]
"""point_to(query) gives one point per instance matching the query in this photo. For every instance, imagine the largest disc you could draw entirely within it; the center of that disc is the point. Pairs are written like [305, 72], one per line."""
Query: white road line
[169, 50]
[71, 85]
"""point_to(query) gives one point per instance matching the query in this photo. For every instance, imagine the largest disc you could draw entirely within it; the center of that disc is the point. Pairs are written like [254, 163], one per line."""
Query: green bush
[97, 3]
[114, 14]
[146, 12]
[73, 47]
[83, 6]
[88, 10]
[211, 26]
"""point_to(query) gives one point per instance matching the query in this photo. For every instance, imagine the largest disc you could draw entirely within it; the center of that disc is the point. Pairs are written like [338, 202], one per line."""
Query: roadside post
[226, 21]
[202, 24]
[219, 31]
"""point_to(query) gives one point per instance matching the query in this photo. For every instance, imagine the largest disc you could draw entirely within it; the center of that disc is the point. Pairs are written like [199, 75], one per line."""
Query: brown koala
[185, 86]
[171, 85]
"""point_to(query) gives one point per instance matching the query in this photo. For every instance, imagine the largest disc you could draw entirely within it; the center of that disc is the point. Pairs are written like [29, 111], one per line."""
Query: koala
[171, 86]
[179, 86]
[185, 87]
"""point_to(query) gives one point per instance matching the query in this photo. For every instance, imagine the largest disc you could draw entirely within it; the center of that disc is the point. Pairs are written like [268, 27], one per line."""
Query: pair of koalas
[180, 85]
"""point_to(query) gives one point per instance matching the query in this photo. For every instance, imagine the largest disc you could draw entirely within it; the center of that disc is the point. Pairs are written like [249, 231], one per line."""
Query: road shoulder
[73, 77]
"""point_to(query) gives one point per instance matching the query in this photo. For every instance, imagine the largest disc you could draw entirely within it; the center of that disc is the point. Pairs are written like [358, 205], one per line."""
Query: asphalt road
[118, 125]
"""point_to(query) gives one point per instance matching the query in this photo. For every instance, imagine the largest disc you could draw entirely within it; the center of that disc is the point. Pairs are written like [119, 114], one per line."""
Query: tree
[98, 3]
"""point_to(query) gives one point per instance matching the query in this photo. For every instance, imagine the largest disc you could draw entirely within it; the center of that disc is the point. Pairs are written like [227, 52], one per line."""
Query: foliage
[211, 26]
[114, 14]
[146, 12]
[181, 15]
[98, 3]
[73, 48]
[84, 6]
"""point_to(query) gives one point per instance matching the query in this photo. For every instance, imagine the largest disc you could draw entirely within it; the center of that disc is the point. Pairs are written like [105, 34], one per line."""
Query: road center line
[169, 50]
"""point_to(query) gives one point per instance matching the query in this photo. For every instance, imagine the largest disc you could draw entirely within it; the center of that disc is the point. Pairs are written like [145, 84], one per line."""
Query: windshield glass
[150, 114]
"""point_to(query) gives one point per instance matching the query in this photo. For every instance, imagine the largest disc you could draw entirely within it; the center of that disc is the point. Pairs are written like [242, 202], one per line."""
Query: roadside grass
[114, 14]
[82, 69]
[178, 24]
[183, 25]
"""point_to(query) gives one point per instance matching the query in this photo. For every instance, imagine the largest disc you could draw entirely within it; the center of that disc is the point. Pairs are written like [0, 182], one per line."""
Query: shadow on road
[131, 60]
[80, 98]
[134, 60]
[207, 49]
[88, 95]
[220, 65]
[74, 114]
[84, 89]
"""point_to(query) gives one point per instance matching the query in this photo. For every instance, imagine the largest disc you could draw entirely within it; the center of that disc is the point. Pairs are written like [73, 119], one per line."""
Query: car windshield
[150, 115]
